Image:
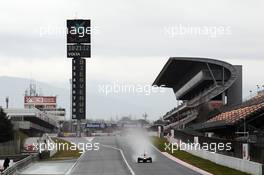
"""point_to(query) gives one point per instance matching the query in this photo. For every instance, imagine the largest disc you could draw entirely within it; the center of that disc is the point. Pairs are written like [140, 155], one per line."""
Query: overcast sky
[131, 39]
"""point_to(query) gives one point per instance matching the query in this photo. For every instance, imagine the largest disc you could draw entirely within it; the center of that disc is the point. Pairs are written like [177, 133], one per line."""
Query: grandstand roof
[237, 114]
[192, 77]
[176, 68]
[249, 110]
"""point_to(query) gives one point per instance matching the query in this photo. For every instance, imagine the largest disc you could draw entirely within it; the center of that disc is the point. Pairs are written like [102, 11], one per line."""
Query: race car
[144, 159]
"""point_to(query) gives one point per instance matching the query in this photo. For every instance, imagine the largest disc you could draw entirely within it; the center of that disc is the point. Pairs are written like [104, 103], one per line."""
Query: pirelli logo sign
[79, 38]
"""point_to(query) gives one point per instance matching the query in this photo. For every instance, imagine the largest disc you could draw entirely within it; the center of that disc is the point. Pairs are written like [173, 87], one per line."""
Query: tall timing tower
[78, 48]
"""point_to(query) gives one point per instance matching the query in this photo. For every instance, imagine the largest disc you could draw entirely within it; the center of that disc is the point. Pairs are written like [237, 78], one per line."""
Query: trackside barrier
[20, 164]
[250, 167]
[256, 150]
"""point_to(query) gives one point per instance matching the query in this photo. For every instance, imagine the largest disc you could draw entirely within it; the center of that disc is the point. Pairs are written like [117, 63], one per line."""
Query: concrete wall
[231, 162]
[234, 93]
[9, 148]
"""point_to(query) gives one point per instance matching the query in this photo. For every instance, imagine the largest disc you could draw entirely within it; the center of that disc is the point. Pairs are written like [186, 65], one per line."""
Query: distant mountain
[99, 105]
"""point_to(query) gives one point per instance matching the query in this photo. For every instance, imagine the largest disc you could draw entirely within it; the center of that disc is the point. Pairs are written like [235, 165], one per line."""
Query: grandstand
[31, 121]
[202, 85]
[245, 118]
[211, 106]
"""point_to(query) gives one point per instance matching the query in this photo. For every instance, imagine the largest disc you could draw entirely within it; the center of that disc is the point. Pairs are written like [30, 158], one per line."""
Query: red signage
[39, 100]
[216, 104]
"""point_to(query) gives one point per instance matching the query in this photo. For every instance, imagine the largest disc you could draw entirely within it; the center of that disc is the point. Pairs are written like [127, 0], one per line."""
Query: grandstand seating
[190, 117]
[174, 110]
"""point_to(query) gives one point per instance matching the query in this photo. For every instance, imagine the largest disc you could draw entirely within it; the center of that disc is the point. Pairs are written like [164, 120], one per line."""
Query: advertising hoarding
[40, 99]
[95, 125]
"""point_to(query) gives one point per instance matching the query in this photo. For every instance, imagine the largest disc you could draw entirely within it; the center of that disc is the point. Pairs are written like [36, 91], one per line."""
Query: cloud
[130, 41]
[132, 28]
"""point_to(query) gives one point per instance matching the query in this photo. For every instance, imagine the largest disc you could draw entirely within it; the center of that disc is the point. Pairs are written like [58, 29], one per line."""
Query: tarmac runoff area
[48, 167]
[61, 167]
[116, 156]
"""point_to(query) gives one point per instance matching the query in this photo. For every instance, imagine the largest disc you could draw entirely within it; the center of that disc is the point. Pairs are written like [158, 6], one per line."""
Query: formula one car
[144, 159]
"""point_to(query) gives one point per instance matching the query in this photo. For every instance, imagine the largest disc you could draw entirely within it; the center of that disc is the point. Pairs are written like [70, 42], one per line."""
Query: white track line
[196, 169]
[89, 139]
[69, 170]
[121, 151]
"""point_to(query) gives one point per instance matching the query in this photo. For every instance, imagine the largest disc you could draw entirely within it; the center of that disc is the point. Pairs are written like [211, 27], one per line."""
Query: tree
[6, 127]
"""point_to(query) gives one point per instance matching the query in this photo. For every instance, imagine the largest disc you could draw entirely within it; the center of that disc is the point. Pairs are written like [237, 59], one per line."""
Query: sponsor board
[39, 100]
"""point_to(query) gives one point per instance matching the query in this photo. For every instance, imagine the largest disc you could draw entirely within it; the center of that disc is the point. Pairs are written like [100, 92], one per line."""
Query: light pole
[257, 88]
[7, 102]
[250, 93]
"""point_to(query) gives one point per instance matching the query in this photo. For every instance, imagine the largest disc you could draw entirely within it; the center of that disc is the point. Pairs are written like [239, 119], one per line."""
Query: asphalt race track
[106, 161]
[109, 161]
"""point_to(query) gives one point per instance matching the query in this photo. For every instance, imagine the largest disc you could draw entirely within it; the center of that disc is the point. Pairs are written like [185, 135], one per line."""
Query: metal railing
[19, 165]
[175, 110]
[201, 97]
[193, 115]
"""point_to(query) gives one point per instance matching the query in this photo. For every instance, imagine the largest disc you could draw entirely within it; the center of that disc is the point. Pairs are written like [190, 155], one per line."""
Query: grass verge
[203, 164]
[64, 154]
